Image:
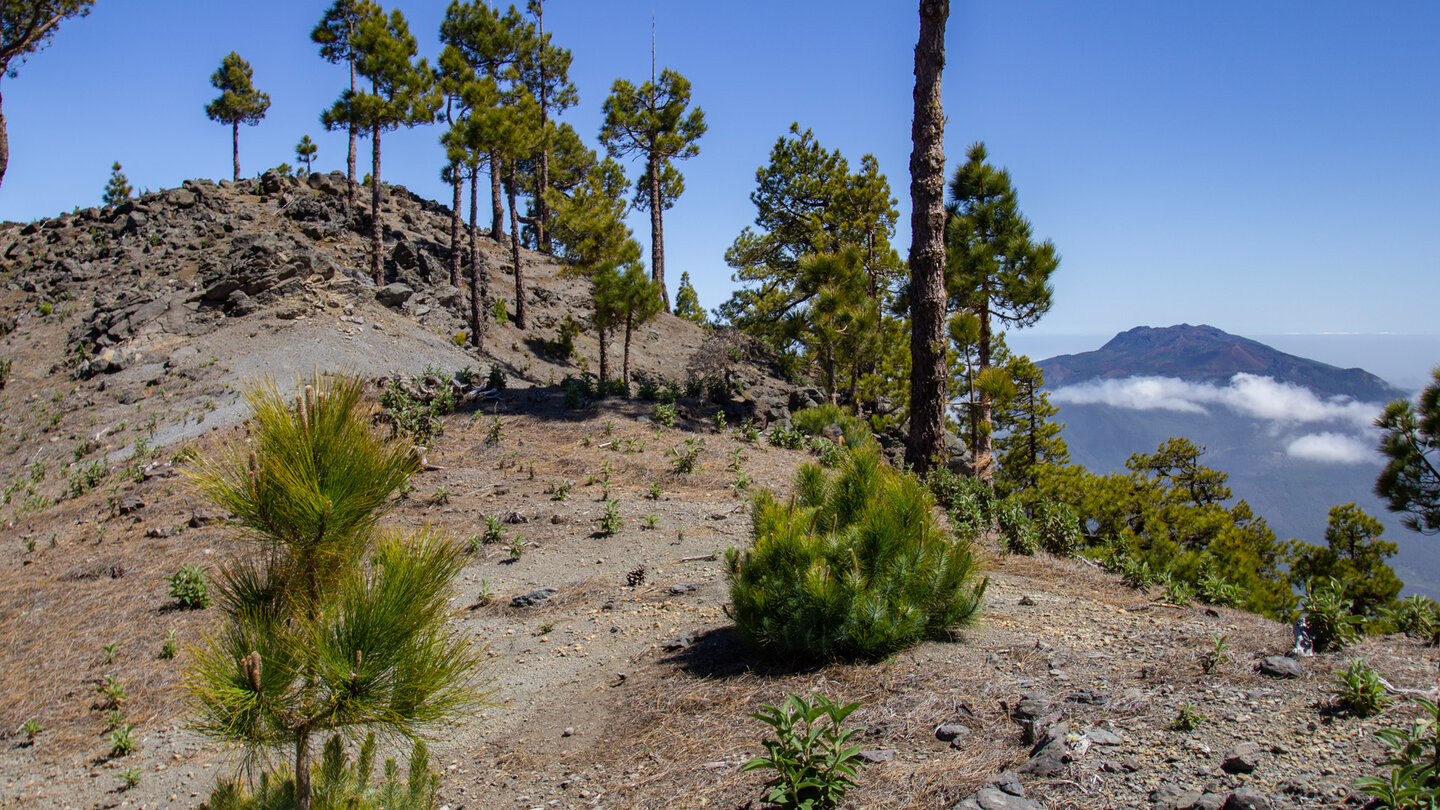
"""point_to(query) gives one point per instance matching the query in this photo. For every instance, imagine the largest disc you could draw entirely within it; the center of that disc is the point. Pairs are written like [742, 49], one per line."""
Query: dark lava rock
[538, 596]
[1280, 666]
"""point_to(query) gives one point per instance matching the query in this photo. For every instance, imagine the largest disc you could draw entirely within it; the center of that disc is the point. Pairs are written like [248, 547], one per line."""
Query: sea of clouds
[1295, 413]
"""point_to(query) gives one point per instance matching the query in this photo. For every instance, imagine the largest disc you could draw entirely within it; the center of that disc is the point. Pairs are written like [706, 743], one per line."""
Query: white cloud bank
[1247, 394]
[1331, 448]
[1280, 404]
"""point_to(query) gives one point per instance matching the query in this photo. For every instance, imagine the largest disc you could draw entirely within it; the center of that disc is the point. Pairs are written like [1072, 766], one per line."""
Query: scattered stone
[1027, 601]
[130, 504]
[515, 518]
[681, 642]
[676, 590]
[1050, 755]
[1280, 666]
[394, 295]
[1010, 783]
[1247, 798]
[949, 732]
[990, 798]
[1100, 736]
[877, 755]
[202, 517]
[558, 519]
[538, 596]
[1209, 801]
[568, 732]
[1243, 758]
[1032, 706]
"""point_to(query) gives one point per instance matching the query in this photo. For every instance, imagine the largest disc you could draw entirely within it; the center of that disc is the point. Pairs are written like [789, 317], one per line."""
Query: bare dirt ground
[629, 686]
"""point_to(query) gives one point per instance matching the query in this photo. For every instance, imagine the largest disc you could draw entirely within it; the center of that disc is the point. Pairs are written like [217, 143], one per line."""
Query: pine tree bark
[235, 148]
[4, 144]
[926, 444]
[604, 354]
[625, 370]
[376, 234]
[657, 230]
[515, 251]
[350, 158]
[497, 205]
[984, 438]
[479, 280]
[458, 182]
[303, 794]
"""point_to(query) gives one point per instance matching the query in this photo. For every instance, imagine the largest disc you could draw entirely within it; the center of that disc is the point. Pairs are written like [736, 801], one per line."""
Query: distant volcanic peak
[1206, 354]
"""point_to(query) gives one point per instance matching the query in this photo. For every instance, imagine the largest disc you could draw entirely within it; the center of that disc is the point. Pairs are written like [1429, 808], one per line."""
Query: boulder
[1280, 666]
[991, 798]
[394, 295]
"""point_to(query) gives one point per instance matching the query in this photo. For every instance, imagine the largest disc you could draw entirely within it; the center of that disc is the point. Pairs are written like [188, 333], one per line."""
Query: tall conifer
[335, 34]
[238, 103]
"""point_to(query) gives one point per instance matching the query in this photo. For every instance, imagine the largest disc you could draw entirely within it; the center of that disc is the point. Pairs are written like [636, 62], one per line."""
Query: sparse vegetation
[685, 457]
[190, 588]
[1219, 653]
[814, 761]
[610, 520]
[1357, 689]
[1414, 762]
[1187, 719]
[1328, 617]
[122, 740]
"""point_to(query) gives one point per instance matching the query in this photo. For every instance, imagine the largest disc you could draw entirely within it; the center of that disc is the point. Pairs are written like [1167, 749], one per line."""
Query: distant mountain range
[1293, 434]
[1206, 354]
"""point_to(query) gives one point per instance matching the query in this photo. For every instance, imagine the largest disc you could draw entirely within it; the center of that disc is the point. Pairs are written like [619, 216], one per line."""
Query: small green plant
[1058, 528]
[517, 547]
[1187, 719]
[1414, 762]
[169, 648]
[110, 650]
[748, 432]
[440, 496]
[720, 423]
[559, 489]
[495, 379]
[502, 315]
[113, 693]
[1177, 590]
[829, 453]
[664, 415]
[1219, 653]
[1357, 690]
[545, 628]
[814, 761]
[496, 433]
[189, 587]
[651, 521]
[114, 719]
[786, 437]
[685, 457]
[1416, 617]
[30, 728]
[1328, 617]
[86, 478]
[655, 491]
[610, 521]
[1017, 530]
[494, 531]
[129, 778]
[4, 372]
[486, 594]
[122, 740]
[742, 482]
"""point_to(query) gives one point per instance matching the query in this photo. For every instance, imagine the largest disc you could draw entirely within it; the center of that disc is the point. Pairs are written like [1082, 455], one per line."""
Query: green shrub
[1215, 589]
[579, 391]
[855, 566]
[814, 764]
[971, 504]
[1328, 617]
[1416, 617]
[1357, 689]
[610, 521]
[786, 437]
[1017, 531]
[502, 315]
[408, 415]
[87, 477]
[646, 388]
[496, 379]
[664, 415]
[1187, 719]
[122, 740]
[4, 372]
[1219, 653]
[189, 587]
[1414, 763]
[685, 457]
[1058, 528]
[337, 783]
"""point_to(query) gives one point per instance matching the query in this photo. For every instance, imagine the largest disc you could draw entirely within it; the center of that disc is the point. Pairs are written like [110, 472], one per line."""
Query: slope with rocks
[618, 679]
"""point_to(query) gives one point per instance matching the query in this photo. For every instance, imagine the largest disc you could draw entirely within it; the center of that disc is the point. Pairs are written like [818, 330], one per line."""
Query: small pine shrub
[496, 379]
[815, 765]
[1414, 762]
[338, 782]
[502, 315]
[854, 567]
[1328, 617]
[1357, 690]
[189, 587]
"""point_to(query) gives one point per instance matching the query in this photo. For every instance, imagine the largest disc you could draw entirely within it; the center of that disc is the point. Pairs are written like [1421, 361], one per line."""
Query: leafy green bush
[496, 379]
[409, 415]
[1017, 531]
[87, 477]
[1416, 617]
[189, 587]
[1414, 762]
[1215, 589]
[814, 764]
[610, 521]
[685, 457]
[855, 566]
[664, 415]
[1357, 689]
[828, 452]
[338, 783]
[579, 391]
[1328, 617]
[1058, 528]
[786, 437]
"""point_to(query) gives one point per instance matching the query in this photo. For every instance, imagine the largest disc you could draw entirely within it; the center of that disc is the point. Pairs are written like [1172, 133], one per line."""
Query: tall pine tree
[545, 70]
[238, 103]
[335, 34]
[654, 121]
[687, 302]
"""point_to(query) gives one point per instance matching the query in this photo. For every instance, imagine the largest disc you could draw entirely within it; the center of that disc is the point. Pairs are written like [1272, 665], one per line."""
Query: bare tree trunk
[350, 158]
[625, 372]
[604, 354]
[458, 182]
[479, 280]
[984, 438]
[235, 147]
[4, 147]
[497, 205]
[515, 251]
[927, 244]
[376, 233]
[657, 231]
[302, 771]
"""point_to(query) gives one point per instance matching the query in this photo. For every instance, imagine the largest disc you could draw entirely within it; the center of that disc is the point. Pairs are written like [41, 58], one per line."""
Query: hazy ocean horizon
[1404, 361]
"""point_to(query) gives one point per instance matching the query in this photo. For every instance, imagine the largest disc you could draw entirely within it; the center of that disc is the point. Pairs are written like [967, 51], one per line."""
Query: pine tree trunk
[657, 231]
[515, 251]
[830, 374]
[479, 282]
[235, 147]
[4, 145]
[926, 446]
[604, 354]
[497, 205]
[625, 370]
[985, 439]
[350, 158]
[376, 234]
[302, 771]
[458, 181]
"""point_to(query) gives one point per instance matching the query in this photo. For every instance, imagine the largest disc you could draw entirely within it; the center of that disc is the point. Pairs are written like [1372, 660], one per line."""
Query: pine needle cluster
[855, 566]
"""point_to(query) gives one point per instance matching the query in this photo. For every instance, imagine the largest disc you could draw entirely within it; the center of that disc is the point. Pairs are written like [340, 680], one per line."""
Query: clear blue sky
[1262, 167]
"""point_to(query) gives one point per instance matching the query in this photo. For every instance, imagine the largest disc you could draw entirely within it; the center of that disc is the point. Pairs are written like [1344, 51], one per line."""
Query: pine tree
[333, 624]
[926, 444]
[838, 326]
[118, 189]
[238, 103]
[606, 311]
[996, 271]
[1410, 440]
[1028, 435]
[545, 71]
[1354, 555]
[305, 152]
[687, 303]
[639, 300]
[335, 34]
[401, 94]
[26, 26]
[652, 121]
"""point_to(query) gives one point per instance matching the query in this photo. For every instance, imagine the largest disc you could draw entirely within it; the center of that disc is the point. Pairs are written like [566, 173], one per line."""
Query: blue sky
[1265, 168]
